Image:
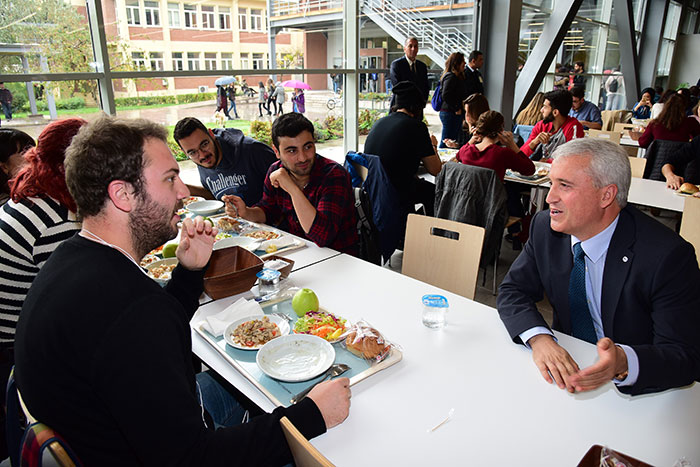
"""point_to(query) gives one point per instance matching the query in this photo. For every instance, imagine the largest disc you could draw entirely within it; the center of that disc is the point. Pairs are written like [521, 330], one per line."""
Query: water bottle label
[435, 301]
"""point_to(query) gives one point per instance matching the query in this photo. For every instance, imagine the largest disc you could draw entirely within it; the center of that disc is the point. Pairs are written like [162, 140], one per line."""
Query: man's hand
[333, 400]
[673, 181]
[612, 361]
[196, 241]
[554, 362]
[280, 178]
[542, 137]
[234, 205]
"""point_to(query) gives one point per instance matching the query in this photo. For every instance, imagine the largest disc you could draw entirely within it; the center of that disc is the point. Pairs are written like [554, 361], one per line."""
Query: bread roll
[688, 188]
[367, 346]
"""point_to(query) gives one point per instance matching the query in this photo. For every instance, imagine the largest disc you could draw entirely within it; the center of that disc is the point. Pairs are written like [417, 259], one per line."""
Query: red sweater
[570, 125]
[497, 158]
[688, 130]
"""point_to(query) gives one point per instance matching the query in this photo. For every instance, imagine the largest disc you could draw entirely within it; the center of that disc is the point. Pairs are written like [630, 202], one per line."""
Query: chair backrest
[690, 224]
[609, 135]
[304, 453]
[608, 120]
[658, 154]
[623, 127]
[638, 164]
[476, 196]
[443, 253]
[42, 446]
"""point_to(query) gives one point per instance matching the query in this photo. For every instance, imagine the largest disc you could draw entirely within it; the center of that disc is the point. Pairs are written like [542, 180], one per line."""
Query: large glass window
[133, 15]
[174, 15]
[190, 16]
[258, 61]
[224, 17]
[152, 13]
[208, 18]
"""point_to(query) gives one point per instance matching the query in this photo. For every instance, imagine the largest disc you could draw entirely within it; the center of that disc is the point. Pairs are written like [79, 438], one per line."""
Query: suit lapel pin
[625, 259]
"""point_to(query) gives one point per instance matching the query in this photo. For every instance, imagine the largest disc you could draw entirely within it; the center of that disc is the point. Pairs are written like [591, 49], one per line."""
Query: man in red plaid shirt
[304, 194]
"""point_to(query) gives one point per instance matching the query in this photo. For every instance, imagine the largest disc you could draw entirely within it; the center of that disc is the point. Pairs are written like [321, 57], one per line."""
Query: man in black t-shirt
[402, 142]
[229, 163]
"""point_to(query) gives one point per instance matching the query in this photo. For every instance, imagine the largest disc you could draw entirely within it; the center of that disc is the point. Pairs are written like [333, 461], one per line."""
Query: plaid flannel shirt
[330, 192]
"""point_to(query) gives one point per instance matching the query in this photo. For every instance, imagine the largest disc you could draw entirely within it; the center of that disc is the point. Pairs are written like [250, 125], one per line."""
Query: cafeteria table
[504, 411]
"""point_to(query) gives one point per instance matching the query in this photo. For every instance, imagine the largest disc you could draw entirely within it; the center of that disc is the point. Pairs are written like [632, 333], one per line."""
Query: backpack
[436, 101]
[366, 230]
[613, 85]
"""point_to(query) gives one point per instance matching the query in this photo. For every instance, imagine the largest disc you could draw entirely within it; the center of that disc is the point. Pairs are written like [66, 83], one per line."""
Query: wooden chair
[623, 127]
[443, 253]
[304, 453]
[690, 224]
[609, 135]
[638, 165]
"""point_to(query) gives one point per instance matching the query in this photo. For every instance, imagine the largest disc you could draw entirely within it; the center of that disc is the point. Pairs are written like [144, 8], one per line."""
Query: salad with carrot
[322, 324]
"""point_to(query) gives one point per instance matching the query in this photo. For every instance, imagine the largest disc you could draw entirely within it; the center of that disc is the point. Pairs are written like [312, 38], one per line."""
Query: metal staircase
[400, 21]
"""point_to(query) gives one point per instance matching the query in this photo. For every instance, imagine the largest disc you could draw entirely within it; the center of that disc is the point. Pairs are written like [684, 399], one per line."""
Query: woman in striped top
[39, 216]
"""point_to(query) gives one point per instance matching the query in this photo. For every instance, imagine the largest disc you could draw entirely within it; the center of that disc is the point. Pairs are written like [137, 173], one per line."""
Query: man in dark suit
[407, 68]
[631, 285]
[474, 82]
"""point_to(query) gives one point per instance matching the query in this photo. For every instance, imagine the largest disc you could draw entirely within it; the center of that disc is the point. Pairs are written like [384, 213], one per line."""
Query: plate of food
[252, 332]
[262, 234]
[295, 357]
[229, 224]
[148, 259]
[161, 270]
[322, 324]
[191, 199]
[687, 189]
[248, 243]
[205, 207]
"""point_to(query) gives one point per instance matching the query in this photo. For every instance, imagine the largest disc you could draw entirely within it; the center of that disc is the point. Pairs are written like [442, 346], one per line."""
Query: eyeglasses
[203, 146]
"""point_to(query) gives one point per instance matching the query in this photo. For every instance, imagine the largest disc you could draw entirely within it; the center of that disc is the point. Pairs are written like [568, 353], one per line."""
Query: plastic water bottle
[435, 307]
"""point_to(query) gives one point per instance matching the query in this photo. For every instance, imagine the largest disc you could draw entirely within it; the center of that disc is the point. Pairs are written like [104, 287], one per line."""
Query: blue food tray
[280, 392]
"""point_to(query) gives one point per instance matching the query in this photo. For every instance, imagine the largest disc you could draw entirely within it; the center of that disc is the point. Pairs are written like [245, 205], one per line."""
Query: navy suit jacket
[401, 71]
[650, 298]
[473, 81]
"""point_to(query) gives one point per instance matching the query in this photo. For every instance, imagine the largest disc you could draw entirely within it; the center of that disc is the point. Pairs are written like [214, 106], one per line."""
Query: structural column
[351, 89]
[649, 45]
[99, 46]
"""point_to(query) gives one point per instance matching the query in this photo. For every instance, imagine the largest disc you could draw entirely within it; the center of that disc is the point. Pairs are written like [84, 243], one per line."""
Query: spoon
[335, 370]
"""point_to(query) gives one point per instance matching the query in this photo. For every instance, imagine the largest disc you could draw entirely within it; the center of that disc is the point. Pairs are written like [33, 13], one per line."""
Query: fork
[282, 315]
[335, 370]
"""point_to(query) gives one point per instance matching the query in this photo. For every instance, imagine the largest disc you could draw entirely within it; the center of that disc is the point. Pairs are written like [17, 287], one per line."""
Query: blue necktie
[581, 321]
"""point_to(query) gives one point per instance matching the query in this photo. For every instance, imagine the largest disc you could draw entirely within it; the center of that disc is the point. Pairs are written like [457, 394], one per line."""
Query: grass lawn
[89, 110]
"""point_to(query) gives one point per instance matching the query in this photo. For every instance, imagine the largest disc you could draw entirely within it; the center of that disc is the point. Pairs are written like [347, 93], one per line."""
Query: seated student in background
[615, 277]
[13, 144]
[587, 113]
[528, 117]
[488, 154]
[555, 128]
[678, 161]
[671, 124]
[228, 162]
[642, 109]
[402, 142]
[304, 193]
[474, 106]
[104, 353]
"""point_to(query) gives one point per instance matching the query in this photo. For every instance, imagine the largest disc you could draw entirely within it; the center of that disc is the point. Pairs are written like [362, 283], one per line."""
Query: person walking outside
[231, 92]
[271, 100]
[298, 100]
[262, 99]
[454, 92]
[221, 101]
[6, 101]
[279, 97]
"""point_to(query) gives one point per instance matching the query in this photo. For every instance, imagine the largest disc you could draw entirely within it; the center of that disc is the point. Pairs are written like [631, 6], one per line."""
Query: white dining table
[504, 411]
[654, 194]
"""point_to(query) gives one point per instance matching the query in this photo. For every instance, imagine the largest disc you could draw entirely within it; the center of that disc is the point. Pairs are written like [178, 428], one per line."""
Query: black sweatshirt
[103, 356]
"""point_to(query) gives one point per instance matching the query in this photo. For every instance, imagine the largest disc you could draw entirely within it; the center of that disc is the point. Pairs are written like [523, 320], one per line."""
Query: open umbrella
[224, 80]
[293, 83]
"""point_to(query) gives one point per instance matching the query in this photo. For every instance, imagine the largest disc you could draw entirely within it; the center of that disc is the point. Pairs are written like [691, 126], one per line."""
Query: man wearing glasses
[229, 163]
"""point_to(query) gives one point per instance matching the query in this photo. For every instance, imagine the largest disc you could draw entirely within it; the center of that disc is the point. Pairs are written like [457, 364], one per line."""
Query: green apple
[169, 250]
[304, 301]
